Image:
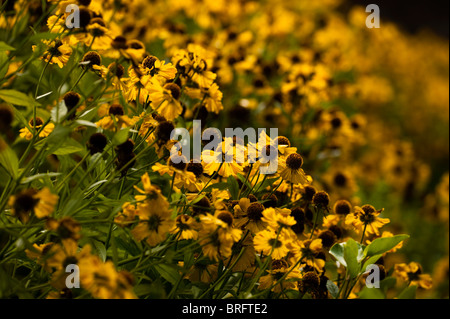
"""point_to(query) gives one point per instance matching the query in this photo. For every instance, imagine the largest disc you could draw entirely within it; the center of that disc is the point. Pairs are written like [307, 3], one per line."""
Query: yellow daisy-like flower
[413, 274]
[211, 97]
[366, 219]
[154, 67]
[215, 162]
[57, 53]
[270, 243]
[60, 256]
[280, 268]
[154, 224]
[186, 227]
[165, 99]
[291, 170]
[42, 203]
[218, 235]
[36, 127]
[103, 281]
[309, 252]
[249, 215]
[278, 218]
[116, 119]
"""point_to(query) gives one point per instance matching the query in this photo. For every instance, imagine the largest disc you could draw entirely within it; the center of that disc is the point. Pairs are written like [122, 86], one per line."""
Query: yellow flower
[270, 243]
[413, 274]
[154, 224]
[247, 258]
[154, 67]
[217, 235]
[42, 203]
[366, 217]
[165, 99]
[279, 269]
[116, 119]
[291, 171]
[186, 227]
[278, 218]
[46, 131]
[57, 53]
[103, 281]
[196, 61]
[62, 255]
[215, 162]
[211, 97]
[249, 215]
[309, 252]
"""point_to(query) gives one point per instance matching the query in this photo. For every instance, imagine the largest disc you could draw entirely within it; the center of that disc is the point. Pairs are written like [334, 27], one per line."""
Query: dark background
[413, 16]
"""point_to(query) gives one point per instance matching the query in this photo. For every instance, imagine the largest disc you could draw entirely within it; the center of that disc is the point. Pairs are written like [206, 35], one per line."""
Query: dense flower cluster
[89, 176]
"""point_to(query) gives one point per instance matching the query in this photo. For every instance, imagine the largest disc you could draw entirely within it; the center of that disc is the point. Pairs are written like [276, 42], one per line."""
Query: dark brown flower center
[321, 199]
[39, 122]
[282, 140]
[254, 211]
[174, 90]
[342, 207]
[116, 109]
[25, 201]
[71, 99]
[294, 161]
[92, 58]
[195, 168]
[226, 217]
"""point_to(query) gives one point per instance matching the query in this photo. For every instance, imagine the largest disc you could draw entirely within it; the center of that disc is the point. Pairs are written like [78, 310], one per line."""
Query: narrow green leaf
[39, 176]
[168, 272]
[220, 186]
[9, 160]
[3, 61]
[17, 98]
[6, 47]
[233, 187]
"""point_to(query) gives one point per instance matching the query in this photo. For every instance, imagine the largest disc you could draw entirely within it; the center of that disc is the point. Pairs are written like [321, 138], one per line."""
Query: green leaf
[408, 293]
[59, 112]
[9, 160]
[246, 182]
[371, 261]
[261, 186]
[337, 251]
[70, 146]
[350, 256]
[384, 244]
[43, 36]
[100, 248]
[6, 47]
[371, 293]
[168, 272]
[3, 61]
[220, 186]
[333, 289]
[387, 283]
[233, 187]
[17, 98]
[121, 137]
[39, 176]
